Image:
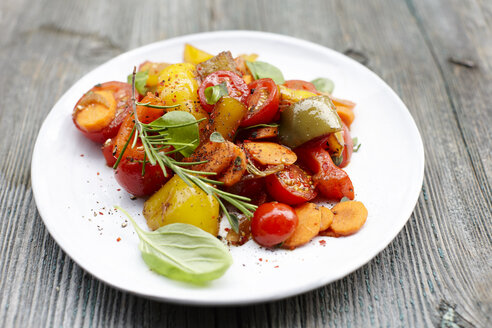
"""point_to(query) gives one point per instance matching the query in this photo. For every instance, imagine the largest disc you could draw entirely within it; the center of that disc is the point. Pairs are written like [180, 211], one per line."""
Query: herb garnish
[140, 81]
[214, 93]
[262, 125]
[216, 137]
[182, 252]
[323, 84]
[356, 144]
[155, 139]
[261, 70]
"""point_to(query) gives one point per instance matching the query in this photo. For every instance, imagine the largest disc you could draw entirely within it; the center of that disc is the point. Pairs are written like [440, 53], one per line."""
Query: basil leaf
[181, 130]
[323, 84]
[355, 142]
[338, 160]
[140, 81]
[216, 137]
[214, 93]
[183, 252]
[261, 70]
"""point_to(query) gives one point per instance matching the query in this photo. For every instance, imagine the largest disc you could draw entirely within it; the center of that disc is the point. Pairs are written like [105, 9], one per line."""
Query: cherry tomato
[99, 113]
[129, 170]
[107, 150]
[273, 223]
[236, 87]
[254, 189]
[129, 176]
[291, 186]
[262, 102]
[348, 148]
[301, 85]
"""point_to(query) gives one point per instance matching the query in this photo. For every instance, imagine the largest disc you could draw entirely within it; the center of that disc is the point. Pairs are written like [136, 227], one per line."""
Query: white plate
[72, 185]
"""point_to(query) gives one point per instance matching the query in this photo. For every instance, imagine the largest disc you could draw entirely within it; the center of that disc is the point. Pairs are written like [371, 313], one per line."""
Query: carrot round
[326, 218]
[309, 215]
[346, 115]
[270, 153]
[348, 217]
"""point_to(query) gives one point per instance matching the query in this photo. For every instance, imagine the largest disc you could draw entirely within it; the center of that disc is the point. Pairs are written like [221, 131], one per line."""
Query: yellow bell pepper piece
[194, 55]
[176, 202]
[289, 96]
[178, 86]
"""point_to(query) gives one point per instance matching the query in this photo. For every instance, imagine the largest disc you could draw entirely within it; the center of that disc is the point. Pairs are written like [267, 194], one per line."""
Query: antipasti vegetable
[222, 136]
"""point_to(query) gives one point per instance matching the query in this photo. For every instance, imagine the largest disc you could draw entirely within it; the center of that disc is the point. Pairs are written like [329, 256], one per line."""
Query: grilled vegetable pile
[218, 136]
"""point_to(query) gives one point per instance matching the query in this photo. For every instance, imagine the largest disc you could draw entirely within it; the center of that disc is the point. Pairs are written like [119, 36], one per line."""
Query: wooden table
[436, 54]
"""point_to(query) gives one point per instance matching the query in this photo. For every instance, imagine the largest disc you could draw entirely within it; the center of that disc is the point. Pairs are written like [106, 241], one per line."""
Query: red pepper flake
[227, 229]
[261, 259]
[81, 155]
[101, 213]
[118, 239]
[276, 266]
[118, 189]
[98, 173]
[322, 242]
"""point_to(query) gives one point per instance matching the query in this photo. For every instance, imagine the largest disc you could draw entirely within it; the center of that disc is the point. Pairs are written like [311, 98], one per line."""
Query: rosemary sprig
[153, 145]
[262, 125]
[155, 106]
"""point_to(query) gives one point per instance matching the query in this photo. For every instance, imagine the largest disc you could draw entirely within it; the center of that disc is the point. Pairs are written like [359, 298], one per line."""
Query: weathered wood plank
[442, 256]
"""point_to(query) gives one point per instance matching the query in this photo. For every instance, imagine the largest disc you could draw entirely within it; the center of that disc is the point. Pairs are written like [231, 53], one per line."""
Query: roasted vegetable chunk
[176, 202]
[221, 62]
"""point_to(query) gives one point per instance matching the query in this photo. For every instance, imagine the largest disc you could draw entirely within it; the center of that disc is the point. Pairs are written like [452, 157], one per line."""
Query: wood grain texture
[438, 267]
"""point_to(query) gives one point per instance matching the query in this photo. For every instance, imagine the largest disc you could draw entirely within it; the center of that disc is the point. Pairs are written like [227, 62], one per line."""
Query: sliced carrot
[217, 154]
[346, 115]
[270, 153]
[224, 158]
[328, 233]
[348, 217]
[342, 102]
[262, 133]
[309, 219]
[326, 218]
[236, 168]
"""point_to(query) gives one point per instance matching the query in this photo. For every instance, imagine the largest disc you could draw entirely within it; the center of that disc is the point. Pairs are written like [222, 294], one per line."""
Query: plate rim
[385, 241]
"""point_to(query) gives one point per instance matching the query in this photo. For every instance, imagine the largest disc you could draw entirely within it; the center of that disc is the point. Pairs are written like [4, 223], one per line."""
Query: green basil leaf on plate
[180, 129]
[214, 93]
[217, 137]
[140, 81]
[183, 252]
[323, 84]
[262, 70]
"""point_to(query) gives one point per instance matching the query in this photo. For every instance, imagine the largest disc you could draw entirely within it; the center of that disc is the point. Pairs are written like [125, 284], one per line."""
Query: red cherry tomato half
[262, 102]
[254, 189]
[107, 150]
[273, 223]
[236, 87]
[348, 148]
[99, 113]
[291, 186]
[301, 85]
[129, 176]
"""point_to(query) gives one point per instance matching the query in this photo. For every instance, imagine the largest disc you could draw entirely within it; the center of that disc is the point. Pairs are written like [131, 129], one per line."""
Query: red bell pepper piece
[329, 179]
